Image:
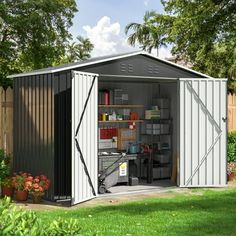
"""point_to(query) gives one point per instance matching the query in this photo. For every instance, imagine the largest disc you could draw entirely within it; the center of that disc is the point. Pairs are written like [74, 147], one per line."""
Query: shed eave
[176, 65]
[107, 60]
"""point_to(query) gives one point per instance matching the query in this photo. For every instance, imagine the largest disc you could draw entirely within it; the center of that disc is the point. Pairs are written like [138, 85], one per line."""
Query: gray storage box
[163, 158]
[133, 181]
[165, 128]
[153, 131]
[153, 126]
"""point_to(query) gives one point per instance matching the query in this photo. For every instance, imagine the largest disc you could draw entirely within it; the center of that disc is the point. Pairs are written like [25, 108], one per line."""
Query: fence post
[6, 120]
[231, 112]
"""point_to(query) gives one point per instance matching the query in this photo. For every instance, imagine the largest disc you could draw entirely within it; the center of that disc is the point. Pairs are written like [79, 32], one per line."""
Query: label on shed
[123, 169]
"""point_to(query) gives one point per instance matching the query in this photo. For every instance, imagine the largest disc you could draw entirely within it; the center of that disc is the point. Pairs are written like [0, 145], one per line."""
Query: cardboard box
[152, 114]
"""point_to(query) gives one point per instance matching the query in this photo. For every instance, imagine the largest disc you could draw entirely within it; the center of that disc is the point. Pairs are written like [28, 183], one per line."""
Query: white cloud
[146, 2]
[106, 38]
[164, 52]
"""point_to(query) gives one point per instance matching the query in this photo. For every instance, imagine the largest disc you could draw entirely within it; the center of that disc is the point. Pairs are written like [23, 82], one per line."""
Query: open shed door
[84, 136]
[202, 132]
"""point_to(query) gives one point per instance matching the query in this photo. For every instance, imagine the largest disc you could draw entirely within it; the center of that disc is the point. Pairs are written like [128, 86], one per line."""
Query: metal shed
[56, 120]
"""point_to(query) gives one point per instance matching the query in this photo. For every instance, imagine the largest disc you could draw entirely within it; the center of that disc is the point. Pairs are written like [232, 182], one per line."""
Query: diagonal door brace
[204, 106]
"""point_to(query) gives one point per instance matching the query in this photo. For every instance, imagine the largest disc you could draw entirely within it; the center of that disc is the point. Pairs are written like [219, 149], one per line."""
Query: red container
[108, 133]
[106, 94]
[7, 191]
[21, 195]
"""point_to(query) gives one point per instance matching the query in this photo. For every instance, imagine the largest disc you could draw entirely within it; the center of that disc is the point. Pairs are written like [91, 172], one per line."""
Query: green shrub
[15, 221]
[63, 227]
[4, 166]
[231, 147]
[18, 222]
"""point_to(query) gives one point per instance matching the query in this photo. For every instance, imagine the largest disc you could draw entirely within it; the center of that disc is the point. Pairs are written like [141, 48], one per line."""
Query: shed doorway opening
[138, 117]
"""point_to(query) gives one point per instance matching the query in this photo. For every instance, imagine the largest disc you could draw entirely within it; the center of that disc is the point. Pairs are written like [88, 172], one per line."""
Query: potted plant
[231, 169]
[37, 187]
[19, 183]
[5, 170]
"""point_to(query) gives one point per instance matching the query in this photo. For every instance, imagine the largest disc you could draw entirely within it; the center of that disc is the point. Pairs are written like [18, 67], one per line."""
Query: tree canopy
[202, 32]
[78, 51]
[33, 34]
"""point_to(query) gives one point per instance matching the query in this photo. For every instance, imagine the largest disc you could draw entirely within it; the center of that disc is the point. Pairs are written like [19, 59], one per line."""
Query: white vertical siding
[87, 135]
[202, 104]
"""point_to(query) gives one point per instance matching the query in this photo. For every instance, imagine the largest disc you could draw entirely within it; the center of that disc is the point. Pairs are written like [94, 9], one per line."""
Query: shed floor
[155, 185]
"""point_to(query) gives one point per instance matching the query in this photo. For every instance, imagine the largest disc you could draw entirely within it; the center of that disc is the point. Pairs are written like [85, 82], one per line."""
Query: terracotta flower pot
[37, 197]
[231, 177]
[21, 195]
[7, 191]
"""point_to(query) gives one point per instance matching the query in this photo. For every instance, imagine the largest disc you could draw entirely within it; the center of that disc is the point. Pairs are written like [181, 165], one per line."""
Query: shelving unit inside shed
[151, 165]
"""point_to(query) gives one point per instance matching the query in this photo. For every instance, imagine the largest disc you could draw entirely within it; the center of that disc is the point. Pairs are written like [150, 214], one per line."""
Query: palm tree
[79, 51]
[72, 52]
[147, 34]
[85, 48]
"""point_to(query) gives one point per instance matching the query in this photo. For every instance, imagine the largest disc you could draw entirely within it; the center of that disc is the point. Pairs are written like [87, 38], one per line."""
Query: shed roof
[102, 59]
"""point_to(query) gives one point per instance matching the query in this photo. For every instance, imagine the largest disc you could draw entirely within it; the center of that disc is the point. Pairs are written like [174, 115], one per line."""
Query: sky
[104, 21]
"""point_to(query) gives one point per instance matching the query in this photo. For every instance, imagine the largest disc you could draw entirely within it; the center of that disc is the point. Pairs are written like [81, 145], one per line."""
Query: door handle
[224, 119]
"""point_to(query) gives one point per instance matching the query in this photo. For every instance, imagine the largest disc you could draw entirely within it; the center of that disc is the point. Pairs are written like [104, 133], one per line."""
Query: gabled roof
[101, 59]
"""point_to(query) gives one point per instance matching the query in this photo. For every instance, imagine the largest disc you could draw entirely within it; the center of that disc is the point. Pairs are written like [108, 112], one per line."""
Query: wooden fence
[232, 112]
[6, 118]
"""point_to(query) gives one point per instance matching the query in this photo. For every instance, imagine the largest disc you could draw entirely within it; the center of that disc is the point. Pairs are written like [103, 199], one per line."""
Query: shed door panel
[202, 130]
[84, 136]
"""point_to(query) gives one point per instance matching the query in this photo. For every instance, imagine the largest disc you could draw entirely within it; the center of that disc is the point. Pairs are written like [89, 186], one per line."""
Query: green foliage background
[202, 32]
[33, 34]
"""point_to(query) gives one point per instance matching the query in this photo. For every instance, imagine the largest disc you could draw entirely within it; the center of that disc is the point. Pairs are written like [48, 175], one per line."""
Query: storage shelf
[121, 106]
[162, 164]
[157, 134]
[158, 119]
[119, 121]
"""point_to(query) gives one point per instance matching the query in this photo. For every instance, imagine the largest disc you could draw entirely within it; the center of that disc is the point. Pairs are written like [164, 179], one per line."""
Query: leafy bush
[63, 227]
[18, 222]
[15, 221]
[231, 147]
[4, 165]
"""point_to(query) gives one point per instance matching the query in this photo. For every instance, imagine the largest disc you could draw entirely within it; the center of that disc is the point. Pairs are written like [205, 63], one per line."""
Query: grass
[213, 213]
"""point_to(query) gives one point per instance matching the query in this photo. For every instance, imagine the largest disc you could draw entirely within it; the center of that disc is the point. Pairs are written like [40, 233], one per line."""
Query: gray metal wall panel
[202, 132]
[33, 139]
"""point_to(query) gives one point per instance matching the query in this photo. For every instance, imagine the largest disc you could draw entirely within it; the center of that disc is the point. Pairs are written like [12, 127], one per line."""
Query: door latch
[224, 119]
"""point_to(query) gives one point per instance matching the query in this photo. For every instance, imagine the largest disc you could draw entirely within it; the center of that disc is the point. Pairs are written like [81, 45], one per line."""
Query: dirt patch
[119, 199]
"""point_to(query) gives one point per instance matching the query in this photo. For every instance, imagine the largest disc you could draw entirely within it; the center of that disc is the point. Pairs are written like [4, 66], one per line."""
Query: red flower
[40, 189]
[35, 185]
[36, 180]
[29, 178]
[43, 177]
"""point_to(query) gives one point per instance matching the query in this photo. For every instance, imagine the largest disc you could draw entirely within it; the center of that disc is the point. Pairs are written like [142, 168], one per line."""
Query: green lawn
[213, 213]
